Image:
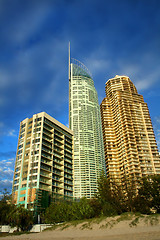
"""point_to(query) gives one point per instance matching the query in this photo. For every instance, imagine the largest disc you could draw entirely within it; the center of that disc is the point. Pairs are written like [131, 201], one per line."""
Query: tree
[5, 196]
[82, 209]
[5, 207]
[148, 194]
[62, 211]
[112, 198]
[58, 211]
[129, 189]
[96, 206]
[21, 218]
[109, 195]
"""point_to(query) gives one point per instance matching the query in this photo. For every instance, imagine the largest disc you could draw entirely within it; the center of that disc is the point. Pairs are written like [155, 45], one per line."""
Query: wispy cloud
[156, 125]
[143, 77]
[11, 133]
[27, 22]
[6, 173]
[6, 184]
[5, 131]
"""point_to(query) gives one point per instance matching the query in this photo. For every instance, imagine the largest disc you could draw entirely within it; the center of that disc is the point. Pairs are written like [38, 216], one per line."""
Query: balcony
[47, 122]
[57, 172]
[58, 134]
[44, 161]
[57, 185]
[58, 139]
[68, 182]
[46, 156]
[68, 140]
[56, 179]
[56, 166]
[45, 143]
[68, 176]
[57, 144]
[46, 168]
[47, 150]
[68, 160]
[68, 155]
[45, 181]
[58, 156]
[44, 187]
[47, 133]
[68, 165]
[67, 170]
[68, 150]
[58, 150]
[47, 127]
[68, 145]
[68, 196]
[46, 139]
[44, 174]
[68, 188]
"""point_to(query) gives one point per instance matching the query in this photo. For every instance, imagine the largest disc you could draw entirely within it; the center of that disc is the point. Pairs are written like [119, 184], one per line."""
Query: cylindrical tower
[85, 121]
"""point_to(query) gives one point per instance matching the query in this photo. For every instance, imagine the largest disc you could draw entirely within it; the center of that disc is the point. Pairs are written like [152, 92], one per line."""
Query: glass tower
[85, 121]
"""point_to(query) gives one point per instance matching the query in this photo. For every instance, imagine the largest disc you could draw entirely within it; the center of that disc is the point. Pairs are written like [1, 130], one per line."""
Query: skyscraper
[85, 121]
[130, 146]
[44, 162]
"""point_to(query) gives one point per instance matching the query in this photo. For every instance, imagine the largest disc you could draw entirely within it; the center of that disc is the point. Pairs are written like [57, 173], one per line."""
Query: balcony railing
[46, 144]
[46, 162]
[46, 156]
[44, 181]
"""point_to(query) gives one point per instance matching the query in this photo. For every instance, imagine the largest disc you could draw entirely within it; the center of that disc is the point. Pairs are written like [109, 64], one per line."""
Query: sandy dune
[111, 228]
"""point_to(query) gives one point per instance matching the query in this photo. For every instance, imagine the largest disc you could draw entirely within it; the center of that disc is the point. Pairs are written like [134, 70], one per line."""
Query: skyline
[109, 38]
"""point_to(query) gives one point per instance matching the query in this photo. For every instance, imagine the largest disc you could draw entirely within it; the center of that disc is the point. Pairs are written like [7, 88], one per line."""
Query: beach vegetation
[21, 218]
[5, 207]
[61, 211]
[111, 199]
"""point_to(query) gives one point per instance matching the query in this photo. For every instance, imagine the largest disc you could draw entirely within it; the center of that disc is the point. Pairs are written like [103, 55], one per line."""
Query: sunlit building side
[44, 162]
[129, 141]
[85, 121]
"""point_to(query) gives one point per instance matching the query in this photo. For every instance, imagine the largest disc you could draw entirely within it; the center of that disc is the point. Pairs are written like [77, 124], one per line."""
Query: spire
[69, 70]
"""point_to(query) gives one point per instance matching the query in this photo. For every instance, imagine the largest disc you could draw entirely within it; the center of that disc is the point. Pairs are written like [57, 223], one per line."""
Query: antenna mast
[69, 55]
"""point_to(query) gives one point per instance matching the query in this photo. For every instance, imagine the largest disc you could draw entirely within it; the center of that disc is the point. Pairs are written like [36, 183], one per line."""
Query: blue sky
[109, 37]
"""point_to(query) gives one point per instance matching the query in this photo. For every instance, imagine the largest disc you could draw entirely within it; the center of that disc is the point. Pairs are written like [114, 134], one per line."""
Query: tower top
[69, 61]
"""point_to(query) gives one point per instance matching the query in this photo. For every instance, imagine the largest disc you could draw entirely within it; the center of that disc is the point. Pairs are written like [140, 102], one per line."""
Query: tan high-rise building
[130, 146]
[44, 162]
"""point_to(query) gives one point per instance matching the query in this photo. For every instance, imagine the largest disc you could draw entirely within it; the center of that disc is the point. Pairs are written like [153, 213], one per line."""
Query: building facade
[85, 121]
[44, 162]
[130, 147]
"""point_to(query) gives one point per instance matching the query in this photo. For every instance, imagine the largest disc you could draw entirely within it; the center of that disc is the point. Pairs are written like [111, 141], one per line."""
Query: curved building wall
[85, 121]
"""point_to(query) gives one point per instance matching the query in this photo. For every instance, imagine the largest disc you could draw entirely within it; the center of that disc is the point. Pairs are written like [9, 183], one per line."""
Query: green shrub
[108, 210]
[21, 218]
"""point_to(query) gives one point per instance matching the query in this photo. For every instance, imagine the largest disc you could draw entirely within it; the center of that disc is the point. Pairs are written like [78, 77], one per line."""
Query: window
[23, 125]
[20, 146]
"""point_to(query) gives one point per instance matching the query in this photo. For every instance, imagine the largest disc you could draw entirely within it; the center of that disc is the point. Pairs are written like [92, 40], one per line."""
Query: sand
[136, 228]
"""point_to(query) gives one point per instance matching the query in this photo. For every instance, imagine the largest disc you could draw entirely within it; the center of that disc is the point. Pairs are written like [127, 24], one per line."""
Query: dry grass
[133, 219]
